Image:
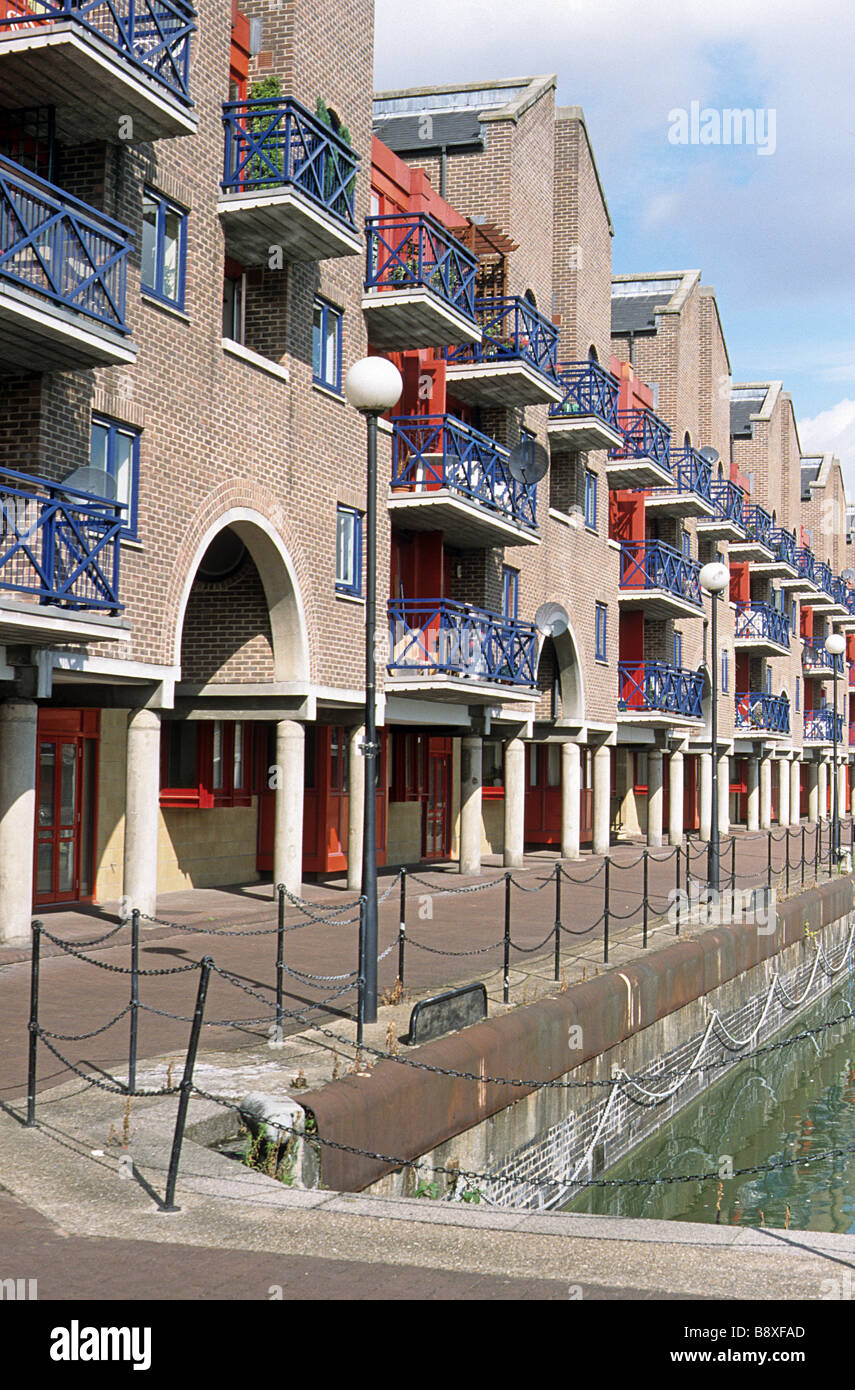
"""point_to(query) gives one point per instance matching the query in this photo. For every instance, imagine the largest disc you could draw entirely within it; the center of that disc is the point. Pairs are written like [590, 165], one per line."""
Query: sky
[772, 232]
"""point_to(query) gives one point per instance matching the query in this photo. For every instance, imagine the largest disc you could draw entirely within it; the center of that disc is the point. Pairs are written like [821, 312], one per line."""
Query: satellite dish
[849, 575]
[551, 619]
[709, 455]
[528, 462]
[96, 481]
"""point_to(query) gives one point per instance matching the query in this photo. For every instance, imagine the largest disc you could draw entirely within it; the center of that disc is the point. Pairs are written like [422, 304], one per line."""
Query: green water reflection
[787, 1104]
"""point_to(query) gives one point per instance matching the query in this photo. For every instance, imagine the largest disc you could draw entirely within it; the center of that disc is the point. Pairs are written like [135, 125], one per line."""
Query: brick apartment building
[203, 221]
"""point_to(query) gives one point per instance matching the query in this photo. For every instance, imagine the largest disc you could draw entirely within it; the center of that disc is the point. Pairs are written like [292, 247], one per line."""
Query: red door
[436, 833]
[66, 771]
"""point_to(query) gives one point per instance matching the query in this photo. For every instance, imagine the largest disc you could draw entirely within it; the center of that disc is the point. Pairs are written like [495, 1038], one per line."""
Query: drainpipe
[443, 170]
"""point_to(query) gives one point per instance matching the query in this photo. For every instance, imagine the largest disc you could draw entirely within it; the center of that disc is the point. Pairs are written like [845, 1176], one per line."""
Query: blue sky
[773, 233]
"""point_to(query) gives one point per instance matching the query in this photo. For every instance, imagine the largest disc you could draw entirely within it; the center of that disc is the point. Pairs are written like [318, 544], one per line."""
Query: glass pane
[44, 869]
[47, 764]
[344, 554]
[148, 273]
[68, 784]
[533, 754]
[218, 755]
[492, 773]
[331, 363]
[238, 757]
[122, 470]
[98, 454]
[553, 764]
[66, 866]
[317, 342]
[181, 765]
[87, 792]
[171, 253]
[309, 763]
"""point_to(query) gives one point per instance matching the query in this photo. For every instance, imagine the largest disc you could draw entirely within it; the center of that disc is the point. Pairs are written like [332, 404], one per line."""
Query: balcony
[420, 285]
[59, 563]
[658, 579]
[643, 460]
[690, 494]
[818, 663]
[652, 692]
[455, 651]
[806, 583]
[819, 726]
[587, 416]
[782, 565]
[727, 522]
[756, 546]
[839, 607]
[823, 595]
[115, 70]
[515, 362]
[761, 629]
[758, 712]
[63, 270]
[447, 476]
[289, 181]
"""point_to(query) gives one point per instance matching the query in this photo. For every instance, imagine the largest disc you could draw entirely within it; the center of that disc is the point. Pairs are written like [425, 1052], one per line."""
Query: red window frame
[202, 794]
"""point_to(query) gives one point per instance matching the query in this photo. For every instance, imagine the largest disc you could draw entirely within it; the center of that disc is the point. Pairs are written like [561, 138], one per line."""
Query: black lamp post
[835, 645]
[373, 385]
[714, 578]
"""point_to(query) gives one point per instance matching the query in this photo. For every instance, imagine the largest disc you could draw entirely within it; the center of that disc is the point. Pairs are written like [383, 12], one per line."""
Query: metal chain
[115, 1089]
[82, 1037]
[116, 969]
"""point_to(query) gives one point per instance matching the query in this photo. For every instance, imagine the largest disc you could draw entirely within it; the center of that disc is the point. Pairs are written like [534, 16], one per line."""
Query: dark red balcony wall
[418, 565]
[626, 516]
[811, 700]
[634, 394]
[850, 646]
[743, 671]
[806, 621]
[239, 56]
[631, 637]
[402, 189]
[740, 584]
[424, 383]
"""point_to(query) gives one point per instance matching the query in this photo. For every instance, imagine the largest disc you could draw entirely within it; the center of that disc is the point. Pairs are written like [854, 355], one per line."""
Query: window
[164, 249]
[724, 672]
[493, 768]
[326, 345]
[348, 551]
[590, 499]
[678, 650]
[205, 764]
[510, 592]
[115, 449]
[600, 612]
[234, 303]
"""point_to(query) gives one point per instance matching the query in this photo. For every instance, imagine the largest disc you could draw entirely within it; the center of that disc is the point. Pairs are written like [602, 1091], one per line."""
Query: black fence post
[280, 965]
[769, 862]
[506, 983]
[645, 856]
[733, 864]
[787, 868]
[187, 1084]
[557, 921]
[804, 833]
[360, 997]
[135, 999]
[402, 927]
[817, 844]
[606, 908]
[34, 1024]
[677, 900]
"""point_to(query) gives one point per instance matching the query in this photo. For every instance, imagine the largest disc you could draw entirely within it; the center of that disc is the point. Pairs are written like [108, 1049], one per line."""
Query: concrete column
[602, 798]
[753, 773]
[18, 724]
[706, 795]
[675, 799]
[571, 797]
[355, 807]
[784, 792]
[724, 794]
[470, 805]
[822, 787]
[841, 788]
[813, 792]
[142, 811]
[795, 791]
[288, 815]
[654, 797]
[514, 803]
[766, 792]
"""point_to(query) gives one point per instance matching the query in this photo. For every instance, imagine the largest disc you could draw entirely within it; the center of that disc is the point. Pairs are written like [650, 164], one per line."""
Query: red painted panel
[740, 584]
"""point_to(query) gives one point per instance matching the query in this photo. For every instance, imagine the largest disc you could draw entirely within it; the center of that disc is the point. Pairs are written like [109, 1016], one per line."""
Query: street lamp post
[373, 385]
[835, 645]
[714, 578]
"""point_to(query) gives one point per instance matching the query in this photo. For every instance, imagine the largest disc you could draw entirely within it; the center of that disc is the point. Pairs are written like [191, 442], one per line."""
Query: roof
[638, 299]
[635, 313]
[404, 133]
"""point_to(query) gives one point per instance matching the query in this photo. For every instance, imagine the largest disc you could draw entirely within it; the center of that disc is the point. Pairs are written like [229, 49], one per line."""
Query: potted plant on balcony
[332, 168]
[266, 166]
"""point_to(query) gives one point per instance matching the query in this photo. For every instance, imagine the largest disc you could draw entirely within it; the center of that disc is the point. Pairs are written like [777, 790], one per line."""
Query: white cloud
[833, 431]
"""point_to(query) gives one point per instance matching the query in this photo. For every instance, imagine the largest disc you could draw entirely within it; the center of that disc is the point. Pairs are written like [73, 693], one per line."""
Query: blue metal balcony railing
[805, 563]
[59, 544]
[655, 565]
[656, 687]
[762, 621]
[275, 142]
[645, 436]
[728, 499]
[783, 543]
[512, 329]
[763, 711]
[588, 390]
[823, 577]
[758, 523]
[60, 249]
[153, 36]
[819, 726]
[416, 250]
[840, 591]
[816, 658]
[442, 637]
[691, 473]
[438, 451]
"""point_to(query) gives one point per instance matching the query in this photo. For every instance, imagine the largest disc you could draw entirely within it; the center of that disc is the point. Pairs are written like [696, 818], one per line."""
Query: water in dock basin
[786, 1104]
